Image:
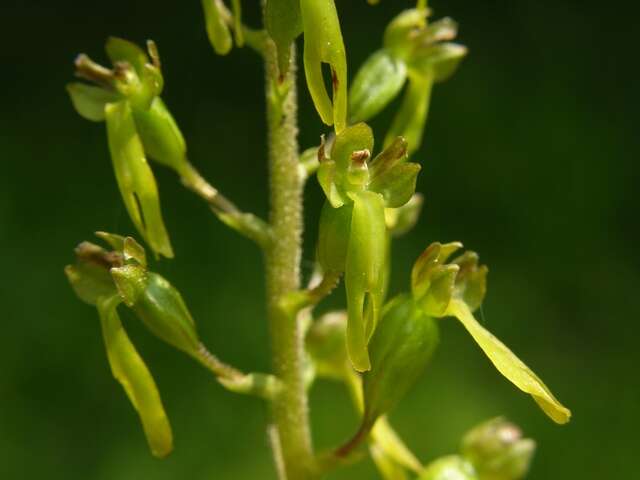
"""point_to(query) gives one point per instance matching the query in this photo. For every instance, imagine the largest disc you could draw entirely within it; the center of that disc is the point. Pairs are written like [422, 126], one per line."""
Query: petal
[90, 101]
[364, 274]
[135, 178]
[509, 365]
[130, 370]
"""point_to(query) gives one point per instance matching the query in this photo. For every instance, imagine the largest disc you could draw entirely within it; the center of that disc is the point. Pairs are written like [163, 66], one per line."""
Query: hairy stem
[289, 408]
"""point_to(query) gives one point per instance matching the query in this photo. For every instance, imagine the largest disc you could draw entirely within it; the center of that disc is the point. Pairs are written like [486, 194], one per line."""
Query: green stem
[289, 408]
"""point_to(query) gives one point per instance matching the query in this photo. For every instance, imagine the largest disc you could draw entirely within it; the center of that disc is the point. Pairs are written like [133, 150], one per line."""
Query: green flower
[91, 280]
[138, 125]
[353, 236]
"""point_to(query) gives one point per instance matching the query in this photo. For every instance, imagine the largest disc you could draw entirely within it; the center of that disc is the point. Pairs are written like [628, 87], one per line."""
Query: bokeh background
[530, 158]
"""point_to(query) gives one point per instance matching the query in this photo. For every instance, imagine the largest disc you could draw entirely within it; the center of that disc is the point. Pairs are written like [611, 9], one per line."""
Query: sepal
[90, 101]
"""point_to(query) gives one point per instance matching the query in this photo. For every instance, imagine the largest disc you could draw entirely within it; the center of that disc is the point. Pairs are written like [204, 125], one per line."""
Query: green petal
[323, 44]
[135, 178]
[397, 185]
[130, 370]
[121, 50]
[364, 274]
[90, 101]
[509, 365]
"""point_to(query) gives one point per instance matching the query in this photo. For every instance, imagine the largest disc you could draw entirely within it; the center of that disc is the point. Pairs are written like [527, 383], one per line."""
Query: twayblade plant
[378, 347]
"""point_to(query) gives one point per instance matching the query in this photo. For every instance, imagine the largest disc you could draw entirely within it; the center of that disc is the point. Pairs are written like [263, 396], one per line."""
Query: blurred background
[530, 158]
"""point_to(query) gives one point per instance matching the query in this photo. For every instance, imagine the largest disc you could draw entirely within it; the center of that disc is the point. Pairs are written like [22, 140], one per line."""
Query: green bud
[376, 84]
[89, 101]
[364, 279]
[497, 450]
[160, 136]
[323, 44]
[135, 178]
[284, 23]
[130, 370]
[217, 29]
[400, 349]
[402, 220]
[159, 305]
[449, 468]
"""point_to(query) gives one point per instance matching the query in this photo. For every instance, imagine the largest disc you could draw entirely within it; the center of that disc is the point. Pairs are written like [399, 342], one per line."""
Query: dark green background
[530, 158]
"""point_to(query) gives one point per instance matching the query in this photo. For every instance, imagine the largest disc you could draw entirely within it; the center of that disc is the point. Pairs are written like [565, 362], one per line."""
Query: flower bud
[452, 467]
[376, 84]
[400, 349]
[130, 370]
[159, 305]
[284, 23]
[217, 29]
[89, 101]
[323, 44]
[497, 450]
[135, 178]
